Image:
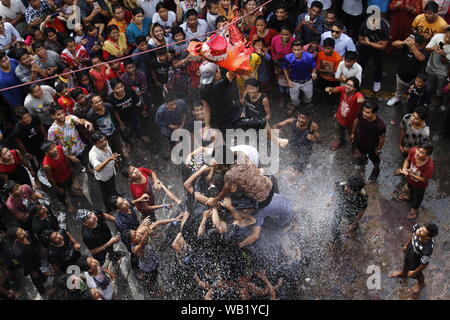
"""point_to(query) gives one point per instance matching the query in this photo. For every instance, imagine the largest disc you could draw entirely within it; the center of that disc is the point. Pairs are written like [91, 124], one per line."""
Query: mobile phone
[307, 18]
[441, 45]
[95, 4]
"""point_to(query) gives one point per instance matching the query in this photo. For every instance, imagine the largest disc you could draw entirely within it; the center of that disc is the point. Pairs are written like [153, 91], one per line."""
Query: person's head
[250, 5]
[36, 91]
[336, 29]
[213, 7]
[252, 87]
[192, 18]
[70, 44]
[55, 238]
[303, 117]
[92, 30]
[96, 102]
[130, 66]
[428, 230]
[39, 49]
[88, 264]
[370, 110]
[330, 17]
[5, 153]
[315, 9]
[96, 60]
[118, 12]
[157, 31]
[113, 32]
[430, 11]
[171, 101]
[141, 43]
[424, 151]
[4, 60]
[6, 3]
[198, 111]
[328, 46]
[258, 44]
[13, 189]
[50, 149]
[351, 85]
[91, 294]
[79, 96]
[117, 86]
[297, 48]
[421, 79]
[113, 63]
[87, 218]
[178, 34]
[62, 89]
[281, 13]
[260, 23]
[39, 210]
[162, 10]
[16, 233]
[23, 56]
[118, 202]
[36, 4]
[138, 15]
[131, 172]
[354, 184]
[99, 140]
[350, 58]
[419, 40]
[221, 22]
[51, 34]
[78, 29]
[419, 116]
[285, 34]
[162, 54]
[58, 114]
[225, 3]
[23, 114]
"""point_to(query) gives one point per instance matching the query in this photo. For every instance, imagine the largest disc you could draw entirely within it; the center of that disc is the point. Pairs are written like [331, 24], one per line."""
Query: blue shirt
[164, 117]
[341, 45]
[383, 4]
[133, 31]
[299, 69]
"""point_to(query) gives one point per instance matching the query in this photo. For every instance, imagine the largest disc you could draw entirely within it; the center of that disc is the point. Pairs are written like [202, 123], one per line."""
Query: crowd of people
[82, 81]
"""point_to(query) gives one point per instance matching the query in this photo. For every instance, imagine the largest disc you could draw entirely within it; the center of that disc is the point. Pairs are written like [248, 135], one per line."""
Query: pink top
[277, 50]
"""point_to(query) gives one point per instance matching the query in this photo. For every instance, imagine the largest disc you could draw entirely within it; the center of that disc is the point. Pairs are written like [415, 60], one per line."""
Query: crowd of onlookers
[61, 123]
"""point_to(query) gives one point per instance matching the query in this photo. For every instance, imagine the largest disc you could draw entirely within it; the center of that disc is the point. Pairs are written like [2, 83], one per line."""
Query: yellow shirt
[122, 25]
[230, 14]
[116, 49]
[428, 30]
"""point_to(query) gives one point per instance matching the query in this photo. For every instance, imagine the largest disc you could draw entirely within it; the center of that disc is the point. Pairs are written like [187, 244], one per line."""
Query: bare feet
[412, 214]
[415, 289]
[397, 274]
[403, 197]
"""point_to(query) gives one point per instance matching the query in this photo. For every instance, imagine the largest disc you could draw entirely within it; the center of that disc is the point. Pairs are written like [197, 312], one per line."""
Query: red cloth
[426, 170]
[10, 168]
[98, 78]
[137, 190]
[111, 74]
[15, 205]
[60, 169]
[401, 18]
[267, 39]
[80, 53]
[348, 108]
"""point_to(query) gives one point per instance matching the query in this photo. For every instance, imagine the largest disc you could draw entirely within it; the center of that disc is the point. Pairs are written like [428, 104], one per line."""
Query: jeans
[402, 88]
[365, 54]
[307, 90]
[436, 82]
[340, 130]
[370, 152]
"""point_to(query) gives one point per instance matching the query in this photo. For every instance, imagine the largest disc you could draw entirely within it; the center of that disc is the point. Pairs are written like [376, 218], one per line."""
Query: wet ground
[326, 274]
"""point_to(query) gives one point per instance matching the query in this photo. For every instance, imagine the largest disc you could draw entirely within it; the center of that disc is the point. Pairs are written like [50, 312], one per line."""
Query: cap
[207, 72]
[82, 215]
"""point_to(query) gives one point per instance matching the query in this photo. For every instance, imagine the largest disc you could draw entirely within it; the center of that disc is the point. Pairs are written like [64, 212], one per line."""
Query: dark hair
[431, 6]
[332, 11]
[32, 86]
[114, 82]
[112, 203]
[68, 40]
[136, 11]
[423, 76]
[46, 234]
[418, 38]
[351, 55]
[75, 93]
[161, 5]
[129, 61]
[427, 147]
[285, 27]
[356, 183]
[82, 263]
[317, 4]
[10, 185]
[280, 6]
[372, 104]
[112, 57]
[90, 27]
[2, 54]
[111, 28]
[117, 6]
[338, 24]
[252, 82]
[220, 19]
[329, 42]
[170, 96]
[21, 111]
[176, 30]
[96, 137]
[125, 171]
[160, 51]
[210, 3]
[86, 294]
[49, 30]
[19, 53]
[422, 112]
[140, 39]
[36, 45]
[47, 145]
[55, 108]
[432, 228]
[315, 38]
[304, 111]
[297, 43]
[259, 40]
[261, 18]
[60, 86]
[355, 82]
[191, 12]
[94, 95]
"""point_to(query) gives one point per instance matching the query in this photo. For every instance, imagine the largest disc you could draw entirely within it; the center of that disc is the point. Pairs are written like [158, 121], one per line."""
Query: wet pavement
[323, 273]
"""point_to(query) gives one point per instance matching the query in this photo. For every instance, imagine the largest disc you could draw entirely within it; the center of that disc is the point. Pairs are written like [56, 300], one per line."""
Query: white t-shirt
[16, 7]
[165, 24]
[149, 7]
[353, 7]
[202, 28]
[326, 4]
[96, 157]
[249, 151]
[434, 65]
[107, 294]
[211, 19]
[354, 71]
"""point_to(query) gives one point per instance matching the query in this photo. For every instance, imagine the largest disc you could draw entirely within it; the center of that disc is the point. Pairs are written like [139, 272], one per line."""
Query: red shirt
[60, 169]
[137, 190]
[98, 78]
[267, 39]
[426, 170]
[10, 168]
[348, 108]
[111, 74]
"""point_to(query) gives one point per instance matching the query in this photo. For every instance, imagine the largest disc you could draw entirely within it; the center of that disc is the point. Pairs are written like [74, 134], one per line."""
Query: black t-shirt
[369, 132]
[229, 107]
[254, 109]
[350, 204]
[409, 66]
[94, 238]
[277, 24]
[63, 256]
[381, 34]
[104, 123]
[39, 225]
[161, 70]
[128, 107]
[30, 135]
[28, 255]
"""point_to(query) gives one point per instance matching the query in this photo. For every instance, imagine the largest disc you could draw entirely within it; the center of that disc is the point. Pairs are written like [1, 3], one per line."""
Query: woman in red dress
[260, 31]
[403, 13]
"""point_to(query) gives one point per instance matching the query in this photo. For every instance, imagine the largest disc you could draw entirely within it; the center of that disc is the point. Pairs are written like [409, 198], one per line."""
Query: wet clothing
[349, 107]
[137, 190]
[31, 137]
[254, 109]
[61, 171]
[94, 238]
[418, 252]
[64, 256]
[125, 221]
[425, 170]
[16, 171]
[39, 225]
[301, 146]
[413, 136]
[369, 133]
[279, 210]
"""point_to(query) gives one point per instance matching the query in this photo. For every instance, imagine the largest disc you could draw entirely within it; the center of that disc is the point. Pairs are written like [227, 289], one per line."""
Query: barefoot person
[417, 251]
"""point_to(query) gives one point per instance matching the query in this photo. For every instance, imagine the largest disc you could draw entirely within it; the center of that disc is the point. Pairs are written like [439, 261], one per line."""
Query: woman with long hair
[138, 27]
[116, 44]
[158, 37]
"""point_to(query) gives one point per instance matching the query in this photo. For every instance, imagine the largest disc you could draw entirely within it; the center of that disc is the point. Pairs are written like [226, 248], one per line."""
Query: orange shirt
[98, 78]
[329, 63]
